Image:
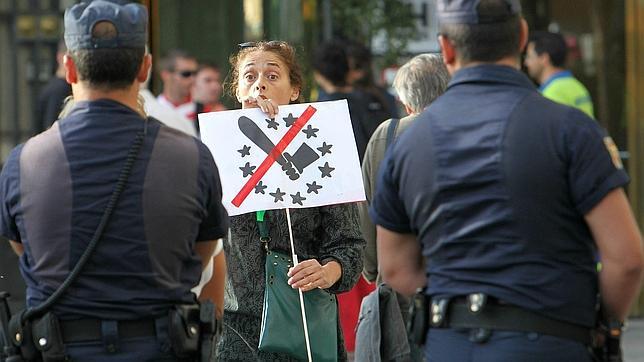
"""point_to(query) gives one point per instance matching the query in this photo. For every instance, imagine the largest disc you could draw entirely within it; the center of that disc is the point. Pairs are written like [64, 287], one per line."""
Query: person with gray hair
[418, 82]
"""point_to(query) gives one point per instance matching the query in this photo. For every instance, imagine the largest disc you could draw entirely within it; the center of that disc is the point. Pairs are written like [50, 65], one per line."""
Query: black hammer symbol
[303, 157]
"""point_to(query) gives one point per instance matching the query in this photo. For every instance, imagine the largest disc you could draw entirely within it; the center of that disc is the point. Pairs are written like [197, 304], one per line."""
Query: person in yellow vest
[545, 59]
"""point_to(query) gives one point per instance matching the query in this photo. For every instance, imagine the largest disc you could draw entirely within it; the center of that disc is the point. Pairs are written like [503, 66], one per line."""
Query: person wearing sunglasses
[266, 75]
[177, 70]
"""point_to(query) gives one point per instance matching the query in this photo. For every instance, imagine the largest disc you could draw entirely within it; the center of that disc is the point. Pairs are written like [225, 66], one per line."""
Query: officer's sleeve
[9, 196]
[215, 223]
[595, 167]
[387, 206]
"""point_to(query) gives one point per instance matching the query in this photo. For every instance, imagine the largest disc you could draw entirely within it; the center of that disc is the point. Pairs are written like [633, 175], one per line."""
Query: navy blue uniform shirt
[53, 191]
[495, 180]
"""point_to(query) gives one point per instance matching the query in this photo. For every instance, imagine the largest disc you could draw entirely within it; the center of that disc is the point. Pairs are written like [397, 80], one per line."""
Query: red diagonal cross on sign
[272, 156]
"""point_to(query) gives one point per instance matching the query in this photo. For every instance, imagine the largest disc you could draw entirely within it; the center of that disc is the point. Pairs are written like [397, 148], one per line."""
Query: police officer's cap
[467, 12]
[129, 19]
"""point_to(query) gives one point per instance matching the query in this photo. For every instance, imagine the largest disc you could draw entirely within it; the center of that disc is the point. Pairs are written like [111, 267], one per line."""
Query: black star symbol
[260, 187]
[245, 151]
[272, 124]
[297, 199]
[326, 170]
[289, 120]
[310, 131]
[325, 148]
[278, 195]
[247, 169]
[314, 187]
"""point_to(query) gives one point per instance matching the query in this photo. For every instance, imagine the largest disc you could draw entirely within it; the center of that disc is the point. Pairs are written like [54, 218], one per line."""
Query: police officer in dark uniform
[497, 201]
[54, 188]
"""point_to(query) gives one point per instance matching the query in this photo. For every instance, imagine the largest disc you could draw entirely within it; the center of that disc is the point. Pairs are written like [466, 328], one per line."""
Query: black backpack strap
[199, 108]
[391, 131]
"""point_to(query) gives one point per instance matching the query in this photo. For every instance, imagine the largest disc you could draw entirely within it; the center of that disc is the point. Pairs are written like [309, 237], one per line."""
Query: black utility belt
[476, 312]
[81, 330]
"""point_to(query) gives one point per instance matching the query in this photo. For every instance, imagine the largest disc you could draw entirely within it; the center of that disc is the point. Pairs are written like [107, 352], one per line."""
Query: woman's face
[264, 73]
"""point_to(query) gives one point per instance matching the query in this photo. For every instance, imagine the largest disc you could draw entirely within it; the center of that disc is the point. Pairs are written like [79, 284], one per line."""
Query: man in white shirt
[177, 71]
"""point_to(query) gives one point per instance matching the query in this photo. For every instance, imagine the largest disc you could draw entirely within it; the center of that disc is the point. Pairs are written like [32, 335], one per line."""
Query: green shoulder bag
[282, 330]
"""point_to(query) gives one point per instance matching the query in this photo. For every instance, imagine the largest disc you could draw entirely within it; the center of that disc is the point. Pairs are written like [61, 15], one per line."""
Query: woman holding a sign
[326, 239]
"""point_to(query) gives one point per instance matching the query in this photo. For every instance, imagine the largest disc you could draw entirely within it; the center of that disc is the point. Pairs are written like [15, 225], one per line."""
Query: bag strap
[199, 108]
[264, 237]
[391, 132]
[116, 193]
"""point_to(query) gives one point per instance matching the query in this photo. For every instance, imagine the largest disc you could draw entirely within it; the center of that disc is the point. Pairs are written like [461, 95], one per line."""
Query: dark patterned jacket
[328, 232]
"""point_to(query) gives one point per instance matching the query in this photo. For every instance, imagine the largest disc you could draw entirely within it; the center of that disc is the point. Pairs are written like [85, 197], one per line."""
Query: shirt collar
[560, 74]
[490, 73]
[100, 106]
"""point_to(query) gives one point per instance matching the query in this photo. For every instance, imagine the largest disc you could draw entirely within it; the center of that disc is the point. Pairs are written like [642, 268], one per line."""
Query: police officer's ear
[144, 70]
[523, 36]
[71, 75]
[448, 52]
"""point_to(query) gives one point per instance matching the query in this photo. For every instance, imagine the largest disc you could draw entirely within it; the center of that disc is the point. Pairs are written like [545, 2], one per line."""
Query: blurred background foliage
[364, 20]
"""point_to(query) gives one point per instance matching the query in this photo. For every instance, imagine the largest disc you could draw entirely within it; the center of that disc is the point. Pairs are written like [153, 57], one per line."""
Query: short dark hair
[331, 61]
[107, 68]
[553, 44]
[359, 55]
[208, 65]
[486, 42]
[169, 61]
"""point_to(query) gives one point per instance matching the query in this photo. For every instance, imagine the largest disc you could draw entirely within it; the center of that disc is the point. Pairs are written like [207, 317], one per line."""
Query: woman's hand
[267, 105]
[309, 274]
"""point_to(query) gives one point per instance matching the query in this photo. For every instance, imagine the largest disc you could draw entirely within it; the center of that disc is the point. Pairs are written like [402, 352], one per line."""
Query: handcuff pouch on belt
[35, 339]
[193, 330]
[418, 322]
[184, 330]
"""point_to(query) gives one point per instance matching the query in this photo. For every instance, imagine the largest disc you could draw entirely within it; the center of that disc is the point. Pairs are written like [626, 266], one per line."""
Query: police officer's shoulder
[559, 112]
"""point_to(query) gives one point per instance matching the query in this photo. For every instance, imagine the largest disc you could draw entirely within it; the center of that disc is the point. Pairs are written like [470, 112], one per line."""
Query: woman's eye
[249, 77]
[272, 76]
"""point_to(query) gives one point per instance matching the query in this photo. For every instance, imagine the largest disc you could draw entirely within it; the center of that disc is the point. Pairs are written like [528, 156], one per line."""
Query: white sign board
[304, 157]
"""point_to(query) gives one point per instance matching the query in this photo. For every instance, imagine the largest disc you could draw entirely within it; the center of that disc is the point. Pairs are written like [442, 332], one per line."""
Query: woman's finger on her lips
[250, 101]
[273, 107]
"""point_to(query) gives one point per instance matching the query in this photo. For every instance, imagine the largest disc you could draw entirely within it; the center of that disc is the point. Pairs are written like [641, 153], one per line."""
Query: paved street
[633, 342]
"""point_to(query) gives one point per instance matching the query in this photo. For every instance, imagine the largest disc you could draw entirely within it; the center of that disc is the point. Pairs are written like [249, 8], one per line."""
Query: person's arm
[214, 289]
[370, 256]
[339, 264]
[17, 247]
[205, 250]
[401, 262]
[370, 163]
[620, 248]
